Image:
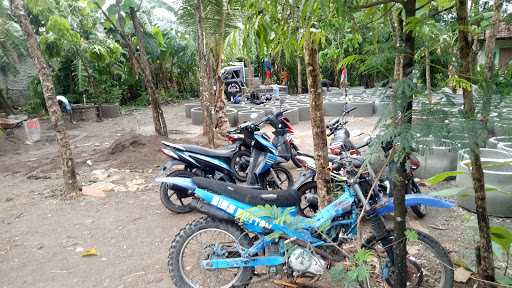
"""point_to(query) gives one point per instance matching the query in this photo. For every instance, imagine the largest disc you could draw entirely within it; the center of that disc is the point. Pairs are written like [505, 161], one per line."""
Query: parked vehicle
[283, 141]
[341, 142]
[223, 249]
[234, 80]
[263, 171]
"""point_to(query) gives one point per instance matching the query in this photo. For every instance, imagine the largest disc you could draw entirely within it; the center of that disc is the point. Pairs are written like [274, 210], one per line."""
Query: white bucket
[32, 130]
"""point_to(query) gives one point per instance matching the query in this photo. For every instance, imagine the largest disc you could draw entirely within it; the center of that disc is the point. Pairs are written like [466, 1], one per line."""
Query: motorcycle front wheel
[207, 239]
[279, 178]
[428, 263]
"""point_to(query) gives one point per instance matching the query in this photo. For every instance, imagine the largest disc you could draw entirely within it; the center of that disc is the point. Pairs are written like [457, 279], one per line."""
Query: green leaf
[438, 178]
[448, 192]
[127, 4]
[501, 236]
[411, 235]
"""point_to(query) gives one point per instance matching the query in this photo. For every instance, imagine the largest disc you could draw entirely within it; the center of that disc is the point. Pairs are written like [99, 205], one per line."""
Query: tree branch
[377, 3]
[441, 11]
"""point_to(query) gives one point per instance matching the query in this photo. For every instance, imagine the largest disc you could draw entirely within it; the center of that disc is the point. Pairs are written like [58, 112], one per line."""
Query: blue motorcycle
[239, 234]
[264, 168]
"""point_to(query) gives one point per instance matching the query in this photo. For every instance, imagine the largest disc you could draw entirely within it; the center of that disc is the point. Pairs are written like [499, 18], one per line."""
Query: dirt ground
[42, 237]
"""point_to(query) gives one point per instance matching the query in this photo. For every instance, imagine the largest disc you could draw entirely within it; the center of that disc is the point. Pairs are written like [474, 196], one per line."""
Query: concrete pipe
[382, 107]
[268, 110]
[436, 156]
[250, 116]
[490, 155]
[495, 141]
[189, 106]
[304, 113]
[333, 108]
[503, 128]
[497, 174]
[232, 116]
[292, 114]
[197, 116]
[364, 109]
[241, 107]
[507, 147]
[110, 110]
[85, 112]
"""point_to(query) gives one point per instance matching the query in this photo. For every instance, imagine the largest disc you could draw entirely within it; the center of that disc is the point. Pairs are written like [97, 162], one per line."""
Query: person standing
[344, 80]
[267, 64]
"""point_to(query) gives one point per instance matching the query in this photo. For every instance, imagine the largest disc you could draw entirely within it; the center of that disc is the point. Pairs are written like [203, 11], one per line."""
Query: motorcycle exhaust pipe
[210, 210]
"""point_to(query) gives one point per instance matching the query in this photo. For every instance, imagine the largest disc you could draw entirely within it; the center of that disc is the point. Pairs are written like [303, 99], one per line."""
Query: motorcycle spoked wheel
[428, 263]
[202, 239]
[170, 198]
[280, 179]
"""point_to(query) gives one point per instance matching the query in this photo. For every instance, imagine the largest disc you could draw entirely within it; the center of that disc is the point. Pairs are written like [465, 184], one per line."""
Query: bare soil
[42, 237]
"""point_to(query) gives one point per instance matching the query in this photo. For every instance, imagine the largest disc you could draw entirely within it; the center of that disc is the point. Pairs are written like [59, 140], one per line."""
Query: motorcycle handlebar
[349, 110]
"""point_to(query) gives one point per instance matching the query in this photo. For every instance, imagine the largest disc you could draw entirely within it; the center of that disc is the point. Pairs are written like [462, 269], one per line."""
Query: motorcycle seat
[285, 198]
[208, 152]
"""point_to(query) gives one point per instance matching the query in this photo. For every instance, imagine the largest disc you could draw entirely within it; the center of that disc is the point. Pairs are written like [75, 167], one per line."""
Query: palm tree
[71, 184]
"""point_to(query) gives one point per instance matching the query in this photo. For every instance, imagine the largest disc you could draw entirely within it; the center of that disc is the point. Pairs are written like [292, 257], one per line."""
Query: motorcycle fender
[179, 182]
[166, 168]
[304, 177]
[413, 200]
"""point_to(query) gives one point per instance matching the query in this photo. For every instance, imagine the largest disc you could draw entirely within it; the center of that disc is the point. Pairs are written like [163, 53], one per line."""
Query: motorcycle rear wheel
[240, 163]
[419, 210]
[175, 204]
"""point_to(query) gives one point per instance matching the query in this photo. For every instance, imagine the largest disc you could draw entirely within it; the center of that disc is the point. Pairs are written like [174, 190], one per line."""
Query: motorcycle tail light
[289, 126]
[230, 138]
[415, 163]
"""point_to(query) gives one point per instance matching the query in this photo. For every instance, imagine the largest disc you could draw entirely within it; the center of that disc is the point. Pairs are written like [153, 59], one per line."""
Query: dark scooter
[192, 161]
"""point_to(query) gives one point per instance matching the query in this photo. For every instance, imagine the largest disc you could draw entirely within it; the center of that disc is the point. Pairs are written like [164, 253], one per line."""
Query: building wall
[502, 53]
[18, 85]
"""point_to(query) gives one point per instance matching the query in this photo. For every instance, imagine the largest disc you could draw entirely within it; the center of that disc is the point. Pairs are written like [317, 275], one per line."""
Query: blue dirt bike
[264, 168]
[239, 234]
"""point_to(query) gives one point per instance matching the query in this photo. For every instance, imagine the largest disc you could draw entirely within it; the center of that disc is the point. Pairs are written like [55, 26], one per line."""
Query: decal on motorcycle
[240, 214]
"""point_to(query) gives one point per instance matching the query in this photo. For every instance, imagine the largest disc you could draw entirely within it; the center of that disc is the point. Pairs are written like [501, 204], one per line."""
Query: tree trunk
[475, 12]
[317, 119]
[221, 121]
[299, 76]
[400, 212]
[428, 78]
[71, 185]
[158, 114]
[490, 39]
[398, 28]
[485, 268]
[205, 86]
